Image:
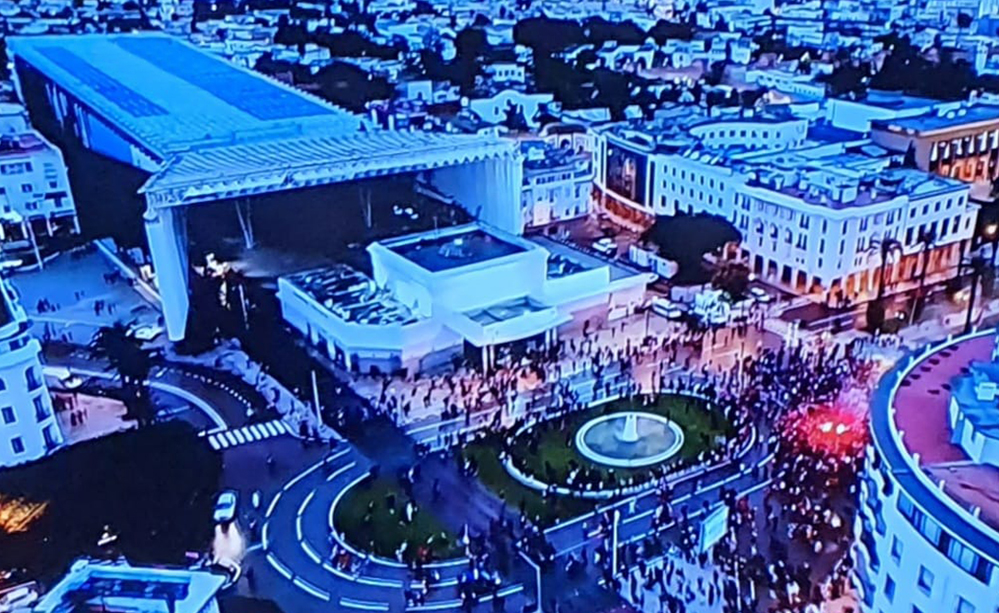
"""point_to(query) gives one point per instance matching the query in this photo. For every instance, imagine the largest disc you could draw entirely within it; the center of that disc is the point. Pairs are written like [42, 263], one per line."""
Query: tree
[154, 488]
[131, 362]
[686, 239]
[927, 238]
[886, 247]
[732, 278]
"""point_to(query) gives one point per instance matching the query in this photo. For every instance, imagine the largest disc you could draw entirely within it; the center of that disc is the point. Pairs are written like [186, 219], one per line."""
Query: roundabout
[629, 439]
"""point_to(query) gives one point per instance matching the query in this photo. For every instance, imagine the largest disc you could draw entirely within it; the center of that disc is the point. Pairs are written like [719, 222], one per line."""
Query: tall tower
[28, 427]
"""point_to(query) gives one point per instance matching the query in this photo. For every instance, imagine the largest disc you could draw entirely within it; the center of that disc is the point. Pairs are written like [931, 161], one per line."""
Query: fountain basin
[629, 439]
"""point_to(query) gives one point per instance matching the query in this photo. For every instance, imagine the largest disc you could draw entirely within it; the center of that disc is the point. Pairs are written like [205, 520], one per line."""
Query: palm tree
[927, 238]
[132, 362]
[978, 266]
[886, 246]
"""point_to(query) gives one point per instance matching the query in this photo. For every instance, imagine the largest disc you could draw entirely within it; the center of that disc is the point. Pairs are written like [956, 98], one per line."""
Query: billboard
[626, 173]
[713, 528]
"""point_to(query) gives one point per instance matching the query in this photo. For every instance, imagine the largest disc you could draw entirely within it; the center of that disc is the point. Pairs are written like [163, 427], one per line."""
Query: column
[168, 247]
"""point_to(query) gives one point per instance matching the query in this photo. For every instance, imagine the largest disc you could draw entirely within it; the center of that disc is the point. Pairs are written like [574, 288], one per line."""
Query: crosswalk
[247, 434]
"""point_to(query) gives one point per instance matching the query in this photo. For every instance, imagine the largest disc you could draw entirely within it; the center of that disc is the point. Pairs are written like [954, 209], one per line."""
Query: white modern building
[118, 586]
[466, 292]
[192, 128]
[812, 211]
[557, 183]
[928, 524]
[35, 198]
[28, 426]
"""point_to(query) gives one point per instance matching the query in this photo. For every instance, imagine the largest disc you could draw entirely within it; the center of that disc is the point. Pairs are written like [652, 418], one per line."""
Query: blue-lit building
[176, 127]
[117, 586]
[928, 523]
[463, 292]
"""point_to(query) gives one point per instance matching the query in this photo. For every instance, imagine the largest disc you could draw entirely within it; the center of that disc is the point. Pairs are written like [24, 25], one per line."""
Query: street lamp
[992, 233]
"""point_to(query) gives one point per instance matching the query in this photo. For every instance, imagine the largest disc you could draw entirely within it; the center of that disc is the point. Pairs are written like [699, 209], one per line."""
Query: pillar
[168, 246]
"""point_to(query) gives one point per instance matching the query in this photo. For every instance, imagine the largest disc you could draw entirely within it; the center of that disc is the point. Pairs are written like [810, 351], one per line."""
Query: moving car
[225, 507]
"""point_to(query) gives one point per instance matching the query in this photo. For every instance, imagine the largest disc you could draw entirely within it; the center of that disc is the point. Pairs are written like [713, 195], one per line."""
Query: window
[889, 588]
[41, 411]
[31, 379]
[925, 580]
[7, 413]
[963, 606]
[17, 444]
[27, 188]
[896, 549]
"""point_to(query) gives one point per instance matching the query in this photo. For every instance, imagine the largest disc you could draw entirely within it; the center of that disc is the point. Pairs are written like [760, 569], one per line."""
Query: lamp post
[992, 233]
[614, 540]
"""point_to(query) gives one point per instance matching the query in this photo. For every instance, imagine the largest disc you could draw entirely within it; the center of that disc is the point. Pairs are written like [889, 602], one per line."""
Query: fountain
[629, 439]
[629, 433]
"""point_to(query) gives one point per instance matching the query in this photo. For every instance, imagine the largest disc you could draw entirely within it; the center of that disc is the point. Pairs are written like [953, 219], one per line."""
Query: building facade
[35, 198]
[557, 184]
[928, 521]
[813, 213]
[28, 427]
[959, 143]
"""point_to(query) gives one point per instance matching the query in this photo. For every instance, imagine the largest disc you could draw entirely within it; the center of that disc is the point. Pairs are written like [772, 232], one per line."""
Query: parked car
[146, 332]
[665, 308]
[225, 507]
[760, 295]
[19, 598]
[606, 246]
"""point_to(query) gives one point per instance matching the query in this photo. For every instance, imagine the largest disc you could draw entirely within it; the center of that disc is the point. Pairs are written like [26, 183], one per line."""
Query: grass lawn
[693, 416]
[384, 532]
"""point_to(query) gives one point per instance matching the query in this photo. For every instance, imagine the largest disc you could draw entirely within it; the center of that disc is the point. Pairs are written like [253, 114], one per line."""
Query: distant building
[812, 208]
[557, 183]
[961, 143]
[118, 586]
[35, 198]
[28, 426]
[928, 516]
[467, 292]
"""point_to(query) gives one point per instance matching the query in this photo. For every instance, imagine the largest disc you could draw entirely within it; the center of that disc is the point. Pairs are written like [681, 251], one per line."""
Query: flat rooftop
[921, 414]
[91, 586]
[171, 96]
[439, 252]
[351, 296]
[942, 121]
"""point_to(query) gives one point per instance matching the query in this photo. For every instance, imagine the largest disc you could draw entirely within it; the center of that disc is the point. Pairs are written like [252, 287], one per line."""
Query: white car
[225, 507]
[760, 295]
[18, 598]
[146, 332]
[666, 308]
[606, 246]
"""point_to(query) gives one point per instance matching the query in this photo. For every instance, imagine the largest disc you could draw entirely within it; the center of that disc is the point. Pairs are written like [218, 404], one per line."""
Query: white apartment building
[928, 521]
[812, 214]
[557, 183]
[34, 186]
[28, 427]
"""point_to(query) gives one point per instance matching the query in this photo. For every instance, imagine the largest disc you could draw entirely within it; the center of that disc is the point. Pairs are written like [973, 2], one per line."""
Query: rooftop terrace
[352, 296]
[921, 417]
[440, 252]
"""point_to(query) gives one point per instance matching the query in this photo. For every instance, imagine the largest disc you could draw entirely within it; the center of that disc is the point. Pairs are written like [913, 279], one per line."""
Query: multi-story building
[813, 213]
[28, 426]
[35, 199]
[928, 521]
[557, 183]
[962, 143]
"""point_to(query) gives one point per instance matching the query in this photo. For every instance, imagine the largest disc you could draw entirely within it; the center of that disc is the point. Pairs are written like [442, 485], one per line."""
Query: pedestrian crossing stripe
[247, 434]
